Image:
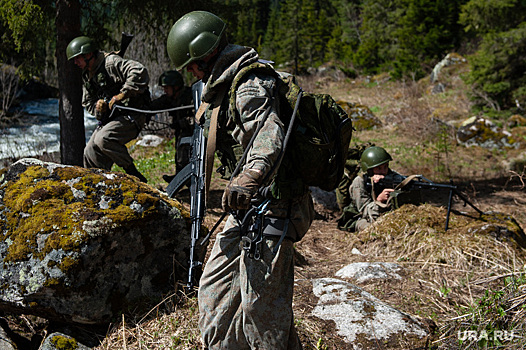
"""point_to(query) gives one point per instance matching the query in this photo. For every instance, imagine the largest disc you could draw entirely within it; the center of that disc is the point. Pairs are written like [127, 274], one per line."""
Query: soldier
[243, 302]
[371, 204]
[176, 94]
[110, 80]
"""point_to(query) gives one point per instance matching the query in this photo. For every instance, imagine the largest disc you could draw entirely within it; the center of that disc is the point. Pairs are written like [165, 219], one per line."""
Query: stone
[478, 131]
[365, 271]
[364, 321]
[82, 245]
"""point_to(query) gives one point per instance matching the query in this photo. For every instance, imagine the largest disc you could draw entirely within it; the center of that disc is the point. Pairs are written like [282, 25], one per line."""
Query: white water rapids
[40, 133]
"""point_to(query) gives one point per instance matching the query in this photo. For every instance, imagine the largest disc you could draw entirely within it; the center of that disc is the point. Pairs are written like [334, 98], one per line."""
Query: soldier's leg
[111, 140]
[370, 214]
[93, 155]
[267, 291]
[220, 315]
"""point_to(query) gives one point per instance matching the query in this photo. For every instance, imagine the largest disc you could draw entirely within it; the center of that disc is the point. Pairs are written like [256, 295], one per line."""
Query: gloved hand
[116, 99]
[101, 109]
[240, 191]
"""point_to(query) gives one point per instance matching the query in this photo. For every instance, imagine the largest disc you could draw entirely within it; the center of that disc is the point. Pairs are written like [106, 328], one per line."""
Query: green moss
[64, 343]
[48, 211]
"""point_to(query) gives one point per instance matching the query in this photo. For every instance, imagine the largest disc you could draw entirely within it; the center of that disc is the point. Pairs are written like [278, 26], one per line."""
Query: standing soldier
[176, 94]
[244, 302]
[110, 80]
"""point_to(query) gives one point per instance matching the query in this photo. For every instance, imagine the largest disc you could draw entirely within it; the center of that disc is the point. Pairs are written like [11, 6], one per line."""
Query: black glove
[240, 190]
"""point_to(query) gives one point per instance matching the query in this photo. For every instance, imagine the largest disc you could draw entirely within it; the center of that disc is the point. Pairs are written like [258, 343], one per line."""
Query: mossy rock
[362, 117]
[85, 244]
[478, 131]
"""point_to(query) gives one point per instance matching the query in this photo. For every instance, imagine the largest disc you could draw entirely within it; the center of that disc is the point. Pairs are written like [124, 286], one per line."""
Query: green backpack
[320, 131]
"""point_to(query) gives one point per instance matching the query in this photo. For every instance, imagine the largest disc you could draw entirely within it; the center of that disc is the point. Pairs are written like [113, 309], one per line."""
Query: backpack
[320, 132]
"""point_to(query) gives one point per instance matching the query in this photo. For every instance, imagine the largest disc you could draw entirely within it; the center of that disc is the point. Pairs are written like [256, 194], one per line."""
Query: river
[40, 132]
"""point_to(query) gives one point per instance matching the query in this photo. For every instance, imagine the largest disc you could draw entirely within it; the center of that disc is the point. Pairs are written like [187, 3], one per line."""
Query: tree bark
[71, 112]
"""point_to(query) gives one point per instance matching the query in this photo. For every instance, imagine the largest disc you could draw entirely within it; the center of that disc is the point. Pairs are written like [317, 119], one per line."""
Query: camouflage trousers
[107, 145]
[370, 213]
[246, 303]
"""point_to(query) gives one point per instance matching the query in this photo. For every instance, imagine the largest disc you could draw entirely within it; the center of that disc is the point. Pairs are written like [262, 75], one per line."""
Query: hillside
[470, 278]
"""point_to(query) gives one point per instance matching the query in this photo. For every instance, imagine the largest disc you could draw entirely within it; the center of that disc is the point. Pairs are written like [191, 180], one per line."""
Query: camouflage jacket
[256, 96]
[112, 75]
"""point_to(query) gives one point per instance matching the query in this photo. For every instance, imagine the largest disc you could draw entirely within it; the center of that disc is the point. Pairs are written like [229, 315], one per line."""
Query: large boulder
[83, 245]
[362, 117]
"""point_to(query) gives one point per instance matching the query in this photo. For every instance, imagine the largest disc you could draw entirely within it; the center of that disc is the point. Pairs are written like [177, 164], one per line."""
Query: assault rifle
[195, 173]
[419, 182]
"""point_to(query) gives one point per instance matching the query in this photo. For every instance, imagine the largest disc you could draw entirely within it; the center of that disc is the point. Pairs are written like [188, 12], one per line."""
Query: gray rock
[362, 319]
[449, 60]
[364, 271]
[5, 342]
[478, 131]
[59, 341]
[82, 245]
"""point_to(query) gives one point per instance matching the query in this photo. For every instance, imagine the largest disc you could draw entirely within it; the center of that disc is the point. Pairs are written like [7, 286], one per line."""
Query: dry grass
[446, 273]
[170, 325]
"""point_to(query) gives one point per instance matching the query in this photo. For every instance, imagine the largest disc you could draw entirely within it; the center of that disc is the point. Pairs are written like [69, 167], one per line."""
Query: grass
[468, 281]
[153, 162]
[460, 272]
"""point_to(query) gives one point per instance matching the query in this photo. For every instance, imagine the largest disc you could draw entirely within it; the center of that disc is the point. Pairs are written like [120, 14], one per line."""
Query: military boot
[132, 170]
[168, 178]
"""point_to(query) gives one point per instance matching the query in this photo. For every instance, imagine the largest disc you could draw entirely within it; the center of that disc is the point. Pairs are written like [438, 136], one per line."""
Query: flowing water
[39, 133]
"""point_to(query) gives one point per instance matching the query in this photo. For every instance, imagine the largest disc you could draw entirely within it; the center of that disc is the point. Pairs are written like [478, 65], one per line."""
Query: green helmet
[79, 46]
[373, 157]
[193, 37]
[171, 78]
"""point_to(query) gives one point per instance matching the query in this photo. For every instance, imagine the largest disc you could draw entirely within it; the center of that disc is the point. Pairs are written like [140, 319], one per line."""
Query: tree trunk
[71, 113]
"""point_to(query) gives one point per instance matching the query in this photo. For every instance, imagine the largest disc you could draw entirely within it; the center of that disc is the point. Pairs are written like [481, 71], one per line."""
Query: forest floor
[439, 284]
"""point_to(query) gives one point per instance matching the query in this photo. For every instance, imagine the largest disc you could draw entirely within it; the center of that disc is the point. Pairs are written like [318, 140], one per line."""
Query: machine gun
[419, 182]
[194, 172]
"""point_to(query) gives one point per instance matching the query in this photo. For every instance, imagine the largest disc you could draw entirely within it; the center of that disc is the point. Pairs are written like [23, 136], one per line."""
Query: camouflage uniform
[114, 75]
[363, 201]
[246, 303]
[182, 123]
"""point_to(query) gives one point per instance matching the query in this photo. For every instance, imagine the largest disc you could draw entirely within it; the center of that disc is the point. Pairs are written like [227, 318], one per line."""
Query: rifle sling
[212, 137]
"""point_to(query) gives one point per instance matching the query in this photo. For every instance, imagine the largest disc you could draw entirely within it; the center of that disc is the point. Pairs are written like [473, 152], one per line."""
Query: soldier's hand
[101, 109]
[384, 196]
[116, 99]
[240, 191]
[377, 178]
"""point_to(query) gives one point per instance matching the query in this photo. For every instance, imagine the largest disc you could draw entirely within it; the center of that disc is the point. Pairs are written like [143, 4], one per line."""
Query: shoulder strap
[212, 136]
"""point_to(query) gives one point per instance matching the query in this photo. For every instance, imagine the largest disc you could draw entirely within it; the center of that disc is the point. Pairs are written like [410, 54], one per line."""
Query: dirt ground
[326, 249]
